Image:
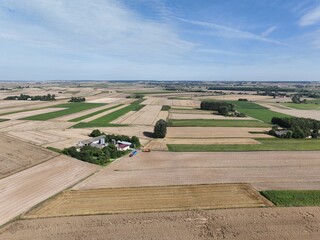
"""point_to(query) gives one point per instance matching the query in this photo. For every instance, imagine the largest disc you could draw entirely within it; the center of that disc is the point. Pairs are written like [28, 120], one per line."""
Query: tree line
[48, 97]
[77, 99]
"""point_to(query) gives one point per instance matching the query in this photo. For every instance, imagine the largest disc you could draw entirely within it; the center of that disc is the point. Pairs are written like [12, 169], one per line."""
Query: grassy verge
[106, 120]
[93, 114]
[3, 120]
[256, 111]
[293, 198]
[54, 149]
[216, 123]
[70, 108]
[266, 145]
[303, 106]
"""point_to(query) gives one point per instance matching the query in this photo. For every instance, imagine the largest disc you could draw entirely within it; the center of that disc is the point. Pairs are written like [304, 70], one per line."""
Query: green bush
[160, 129]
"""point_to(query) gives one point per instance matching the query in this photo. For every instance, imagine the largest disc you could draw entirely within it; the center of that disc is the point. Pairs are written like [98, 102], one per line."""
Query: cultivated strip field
[150, 199]
[161, 144]
[238, 224]
[104, 113]
[216, 132]
[314, 114]
[205, 116]
[171, 102]
[23, 190]
[31, 113]
[145, 116]
[264, 170]
[22, 125]
[16, 155]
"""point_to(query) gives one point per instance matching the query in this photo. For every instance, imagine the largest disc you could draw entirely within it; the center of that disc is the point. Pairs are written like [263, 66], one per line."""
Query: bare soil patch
[238, 224]
[23, 190]
[149, 199]
[216, 132]
[264, 170]
[17, 155]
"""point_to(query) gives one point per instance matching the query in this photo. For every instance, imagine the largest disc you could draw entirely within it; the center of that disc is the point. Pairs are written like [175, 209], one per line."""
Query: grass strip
[93, 114]
[293, 198]
[266, 145]
[216, 123]
[70, 109]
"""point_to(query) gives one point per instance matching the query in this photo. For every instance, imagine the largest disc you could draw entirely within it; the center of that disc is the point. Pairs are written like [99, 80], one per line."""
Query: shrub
[160, 129]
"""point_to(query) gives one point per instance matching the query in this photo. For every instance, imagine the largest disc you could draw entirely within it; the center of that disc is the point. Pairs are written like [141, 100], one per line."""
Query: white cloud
[267, 32]
[310, 18]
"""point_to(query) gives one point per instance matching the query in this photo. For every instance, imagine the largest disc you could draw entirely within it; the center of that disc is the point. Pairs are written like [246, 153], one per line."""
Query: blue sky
[264, 40]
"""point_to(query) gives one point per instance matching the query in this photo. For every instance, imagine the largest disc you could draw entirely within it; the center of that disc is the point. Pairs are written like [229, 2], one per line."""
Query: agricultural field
[172, 102]
[263, 170]
[23, 190]
[216, 123]
[149, 199]
[293, 198]
[302, 106]
[13, 159]
[261, 145]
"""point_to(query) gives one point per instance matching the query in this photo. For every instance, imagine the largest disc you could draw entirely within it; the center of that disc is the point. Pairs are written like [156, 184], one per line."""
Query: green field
[106, 120]
[256, 111]
[93, 114]
[303, 106]
[70, 109]
[3, 120]
[266, 145]
[216, 123]
[293, 198]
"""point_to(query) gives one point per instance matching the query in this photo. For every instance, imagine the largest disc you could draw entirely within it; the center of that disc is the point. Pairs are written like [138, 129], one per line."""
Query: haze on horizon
[265, 40]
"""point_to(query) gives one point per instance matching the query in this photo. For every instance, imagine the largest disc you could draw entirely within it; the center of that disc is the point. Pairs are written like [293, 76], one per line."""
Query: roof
[125, 143]
[91, 140]
[281, 132]
[120, 145]
[96, 145]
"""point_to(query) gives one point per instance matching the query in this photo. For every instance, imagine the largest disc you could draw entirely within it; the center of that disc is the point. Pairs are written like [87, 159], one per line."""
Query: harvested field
[105, 100]
[149, 199]
[17, 125]
[31, 113]
[205, 116]
[22, 106]
[145, 116]
[104, 113]
[235, 97]
[161, 144]
[23, 190]
[314, 114]
[264, 170]
[216, 132]
[238, 224]
[14, 159]
[171, 102]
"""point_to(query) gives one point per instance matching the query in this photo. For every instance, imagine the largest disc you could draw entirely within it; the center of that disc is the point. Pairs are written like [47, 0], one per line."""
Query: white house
[123, 145]
[97, 142]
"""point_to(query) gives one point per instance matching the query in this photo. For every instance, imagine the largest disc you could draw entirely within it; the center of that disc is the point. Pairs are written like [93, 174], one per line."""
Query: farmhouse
[123, 145]
[97, 142]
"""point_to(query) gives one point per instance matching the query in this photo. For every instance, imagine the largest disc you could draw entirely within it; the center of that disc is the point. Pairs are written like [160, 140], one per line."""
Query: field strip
[149, 199]
[19, 115]
[103, 113]
[123, 117]
[23, 190]
[83, 113]
[162, 115]
[33, 105]
[187, 116]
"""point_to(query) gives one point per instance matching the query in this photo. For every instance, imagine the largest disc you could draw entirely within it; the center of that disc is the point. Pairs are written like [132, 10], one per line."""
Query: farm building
[97, 142]
[123, 145]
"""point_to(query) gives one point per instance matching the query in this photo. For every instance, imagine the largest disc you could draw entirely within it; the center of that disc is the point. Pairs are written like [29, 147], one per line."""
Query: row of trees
[215, 106]
[297, 99]
[298, 127]
[77, 99]
[109, 137]
[48, 97]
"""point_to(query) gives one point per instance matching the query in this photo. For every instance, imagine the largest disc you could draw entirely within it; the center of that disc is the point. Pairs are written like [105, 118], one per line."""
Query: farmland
[293, 198]
[216, 123]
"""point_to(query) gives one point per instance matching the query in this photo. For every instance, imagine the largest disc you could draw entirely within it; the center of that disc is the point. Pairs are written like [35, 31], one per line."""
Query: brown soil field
[264, 170]
[314, 114]
[25, 189]
[16, 155]
[205, 116]
[161, 144]
[215, 132]
[145, 116]
[171, 102]
[237, 224]
[31, 113]
[149, 199]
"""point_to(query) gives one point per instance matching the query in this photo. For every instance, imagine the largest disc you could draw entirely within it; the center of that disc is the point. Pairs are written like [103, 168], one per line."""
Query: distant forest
[47, 97]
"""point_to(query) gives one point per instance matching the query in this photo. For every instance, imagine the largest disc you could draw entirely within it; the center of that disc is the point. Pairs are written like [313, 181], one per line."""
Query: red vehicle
[146, 150]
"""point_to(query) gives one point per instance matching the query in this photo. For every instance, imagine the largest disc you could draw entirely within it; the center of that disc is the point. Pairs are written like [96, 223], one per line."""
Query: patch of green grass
[106, 120]
[93, 114]
[216, 123]
[303, 106]
[3, 120]
[54, 149]
[165, 108]
[256, 111]
[293, 198]
[266, 145]
[70, 109]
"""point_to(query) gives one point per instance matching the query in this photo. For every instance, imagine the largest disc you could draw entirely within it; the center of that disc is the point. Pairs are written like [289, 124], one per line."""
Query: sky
[221, 40]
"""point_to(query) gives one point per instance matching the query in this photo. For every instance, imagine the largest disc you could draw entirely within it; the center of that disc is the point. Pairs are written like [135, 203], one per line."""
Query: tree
[135, 142]
[296, 99]
[160, 129]
[223, 110]
[95, 133]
